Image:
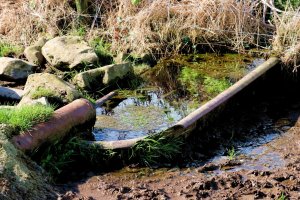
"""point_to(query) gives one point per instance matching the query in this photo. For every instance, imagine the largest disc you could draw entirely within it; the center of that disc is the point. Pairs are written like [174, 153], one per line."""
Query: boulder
[50, 86]
[15, 69]
[102, 75]
[34, 53]
[68, 52]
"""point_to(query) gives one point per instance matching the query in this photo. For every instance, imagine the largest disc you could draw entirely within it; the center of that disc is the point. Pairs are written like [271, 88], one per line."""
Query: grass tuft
[25, 117]
[7, 49]
[155, 149]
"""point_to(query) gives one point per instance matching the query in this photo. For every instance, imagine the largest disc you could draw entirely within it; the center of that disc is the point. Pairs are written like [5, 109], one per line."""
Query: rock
[15, 69]
[34, 53]
[48, 85]
[103, 75]
[29, 101]
[68, 52]
[11, 93]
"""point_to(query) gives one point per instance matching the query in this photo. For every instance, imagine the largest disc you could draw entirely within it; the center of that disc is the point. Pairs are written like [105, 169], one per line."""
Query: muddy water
[158, 104]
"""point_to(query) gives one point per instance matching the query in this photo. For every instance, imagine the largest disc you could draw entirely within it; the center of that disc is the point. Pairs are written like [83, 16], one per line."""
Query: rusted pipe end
[63, 120]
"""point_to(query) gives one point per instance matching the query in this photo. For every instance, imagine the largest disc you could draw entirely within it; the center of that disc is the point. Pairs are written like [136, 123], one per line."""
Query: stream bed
[259, 160]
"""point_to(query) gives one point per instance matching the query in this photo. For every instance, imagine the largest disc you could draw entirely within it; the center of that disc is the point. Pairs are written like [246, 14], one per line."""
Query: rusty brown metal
[103, 99]
[63, 120]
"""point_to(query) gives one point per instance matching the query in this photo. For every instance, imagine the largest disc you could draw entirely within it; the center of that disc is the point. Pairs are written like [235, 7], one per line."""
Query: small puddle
[135, 117]
[171, 90]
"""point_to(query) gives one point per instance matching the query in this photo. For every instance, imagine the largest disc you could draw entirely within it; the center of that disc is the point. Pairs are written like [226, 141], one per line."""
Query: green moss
[213, 86]
[42, 92]
[23, 118]
[7, 49]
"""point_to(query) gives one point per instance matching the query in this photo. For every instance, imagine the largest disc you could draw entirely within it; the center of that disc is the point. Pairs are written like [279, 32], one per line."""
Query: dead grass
[158, 27]
[286, 41]
[166, 26]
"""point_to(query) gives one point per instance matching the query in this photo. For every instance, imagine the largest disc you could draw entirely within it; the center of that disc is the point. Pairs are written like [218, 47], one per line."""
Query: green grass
[7, 49]
[156, 149]
[62, 155]
[282, 196]
[23, 118]
[282, 4]
[42, 92]
[231, 154]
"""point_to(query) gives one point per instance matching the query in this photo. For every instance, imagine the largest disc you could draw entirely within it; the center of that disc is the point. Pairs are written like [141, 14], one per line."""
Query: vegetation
[213, 86]
[24, 117]
[7, 49]
[42, 92]
[282, 196]
[153, 150]
[62, 155]
[231, 154]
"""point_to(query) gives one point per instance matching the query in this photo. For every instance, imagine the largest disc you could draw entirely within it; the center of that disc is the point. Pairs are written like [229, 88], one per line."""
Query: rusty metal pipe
[63, 120]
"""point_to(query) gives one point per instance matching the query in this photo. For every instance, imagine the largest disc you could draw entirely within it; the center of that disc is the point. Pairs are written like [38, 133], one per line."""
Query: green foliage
[191, 79]
[42, 92]
[231, 154]
[62, 155]
[102, 50]
[282, 4]
[154, 149]
[8, 49]
[213, 86]
[80, 31]
[135, 2]
[23, 118]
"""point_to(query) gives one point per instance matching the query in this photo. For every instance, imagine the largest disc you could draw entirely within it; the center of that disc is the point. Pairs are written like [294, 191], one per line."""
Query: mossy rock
[20, 178]
[48, 85]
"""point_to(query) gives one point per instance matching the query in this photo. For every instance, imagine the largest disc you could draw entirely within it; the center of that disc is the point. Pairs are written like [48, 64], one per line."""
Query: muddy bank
[263, 128]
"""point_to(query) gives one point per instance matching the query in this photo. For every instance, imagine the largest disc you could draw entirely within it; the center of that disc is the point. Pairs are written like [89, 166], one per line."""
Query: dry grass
[162, 26]
[286, 41]
[154, 26]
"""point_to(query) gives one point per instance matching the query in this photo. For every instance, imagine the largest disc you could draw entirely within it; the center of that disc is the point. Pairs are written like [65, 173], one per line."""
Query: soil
[210, 181]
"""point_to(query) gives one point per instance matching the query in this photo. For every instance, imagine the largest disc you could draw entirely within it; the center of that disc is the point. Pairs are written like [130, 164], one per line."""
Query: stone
[102, 75]
[68, 52]
[11, 93]
[15, 69]
[53, 87]
[34, 53]
[28, 101]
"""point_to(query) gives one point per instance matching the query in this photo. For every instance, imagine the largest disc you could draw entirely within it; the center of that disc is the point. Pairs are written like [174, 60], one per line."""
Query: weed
[62, 155]
[80, 31]
[102, 50]
[135, 2]
[153, 149]
[213, 86]
[282, 196]
[23, 118]
[7, 49]
[42, 92]
[191, 79]
[231, 154]
[88, 96]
